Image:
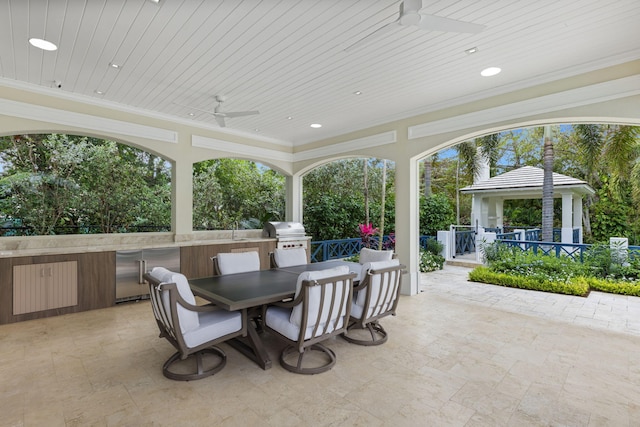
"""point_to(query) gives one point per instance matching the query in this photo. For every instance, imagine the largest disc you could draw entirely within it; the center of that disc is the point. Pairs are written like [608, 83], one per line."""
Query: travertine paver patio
[459, 354]
[599, 310]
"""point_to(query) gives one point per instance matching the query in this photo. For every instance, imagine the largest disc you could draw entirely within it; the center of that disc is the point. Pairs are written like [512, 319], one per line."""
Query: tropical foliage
[230, 192]
[334, 200]
[602, 269]
[607, 157]
[64, 183]
[56, 184]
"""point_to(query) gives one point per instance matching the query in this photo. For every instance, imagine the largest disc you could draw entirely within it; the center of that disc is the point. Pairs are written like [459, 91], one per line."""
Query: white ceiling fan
[220, 115]
[410, 16]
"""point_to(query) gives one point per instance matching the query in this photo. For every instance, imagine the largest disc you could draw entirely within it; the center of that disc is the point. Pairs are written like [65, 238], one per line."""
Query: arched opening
[342, 195]
[54, 183]
[232, 193]
[604, 156]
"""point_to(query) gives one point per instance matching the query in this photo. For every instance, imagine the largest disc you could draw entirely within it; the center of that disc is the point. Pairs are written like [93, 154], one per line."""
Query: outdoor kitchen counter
[89, 263]
[70, 244]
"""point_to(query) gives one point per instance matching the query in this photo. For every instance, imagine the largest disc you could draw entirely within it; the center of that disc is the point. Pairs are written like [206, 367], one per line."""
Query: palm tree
[547, 187]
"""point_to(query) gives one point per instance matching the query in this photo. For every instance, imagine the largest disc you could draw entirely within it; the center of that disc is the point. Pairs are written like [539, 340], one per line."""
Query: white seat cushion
[188, 319]
[314, 306]
[279, 319]
[238, 262]
[213, 325]
[289, 257]
[371, 255]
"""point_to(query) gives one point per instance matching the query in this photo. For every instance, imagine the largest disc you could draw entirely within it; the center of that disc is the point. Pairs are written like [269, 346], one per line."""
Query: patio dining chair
[235, 262]
[371, 255]
[375, 297]
[318, 311]
[193, 330]
[288, 257]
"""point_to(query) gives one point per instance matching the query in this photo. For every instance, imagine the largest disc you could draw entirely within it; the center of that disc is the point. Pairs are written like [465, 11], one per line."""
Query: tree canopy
[57, 184]
[605, 156]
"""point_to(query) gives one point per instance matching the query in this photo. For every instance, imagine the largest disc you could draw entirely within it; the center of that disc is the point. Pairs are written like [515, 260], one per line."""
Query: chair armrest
[185, 304]
[290, 302]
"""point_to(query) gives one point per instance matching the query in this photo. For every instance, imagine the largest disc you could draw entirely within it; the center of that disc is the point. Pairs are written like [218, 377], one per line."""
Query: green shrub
[486, 275]
[430, 261]
[611, 286]
[434, 246]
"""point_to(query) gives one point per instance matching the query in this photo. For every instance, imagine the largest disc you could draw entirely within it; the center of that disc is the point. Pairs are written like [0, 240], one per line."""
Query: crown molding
[242, 150]
[351, 145]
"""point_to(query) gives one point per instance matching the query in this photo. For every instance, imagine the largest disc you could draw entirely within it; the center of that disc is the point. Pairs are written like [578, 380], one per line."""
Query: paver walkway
[619, 313]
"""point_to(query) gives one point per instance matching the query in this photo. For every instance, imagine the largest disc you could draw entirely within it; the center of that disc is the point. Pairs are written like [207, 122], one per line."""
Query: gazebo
[526, 183]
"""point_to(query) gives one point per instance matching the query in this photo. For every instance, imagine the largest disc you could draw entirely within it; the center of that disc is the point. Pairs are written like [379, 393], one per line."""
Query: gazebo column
[577, 216]
[479, 211]
[567, 218]
[500, 213]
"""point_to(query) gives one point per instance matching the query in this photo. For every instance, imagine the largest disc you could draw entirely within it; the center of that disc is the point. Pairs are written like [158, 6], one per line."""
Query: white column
[477, 205]
[499, 213]
[293, 198]
[567, 218]
[182, 199]
[407, 230]
[577, 216]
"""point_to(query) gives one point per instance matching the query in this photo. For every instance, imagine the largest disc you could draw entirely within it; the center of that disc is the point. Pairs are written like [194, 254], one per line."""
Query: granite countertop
[56, 245]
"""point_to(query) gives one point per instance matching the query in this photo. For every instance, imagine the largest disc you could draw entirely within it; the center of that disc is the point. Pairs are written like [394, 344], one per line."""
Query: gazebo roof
[526, 182]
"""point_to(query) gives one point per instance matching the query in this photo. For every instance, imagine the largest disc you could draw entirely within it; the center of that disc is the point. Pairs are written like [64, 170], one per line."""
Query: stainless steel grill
[288, 234]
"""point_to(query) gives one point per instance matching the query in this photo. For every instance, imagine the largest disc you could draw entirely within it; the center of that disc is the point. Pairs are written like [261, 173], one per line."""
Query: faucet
[233, 230]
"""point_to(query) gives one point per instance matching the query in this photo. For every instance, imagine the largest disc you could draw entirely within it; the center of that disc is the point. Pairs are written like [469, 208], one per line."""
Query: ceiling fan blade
[438, 23]
[240, 113]
[372, 36]
[220, 120]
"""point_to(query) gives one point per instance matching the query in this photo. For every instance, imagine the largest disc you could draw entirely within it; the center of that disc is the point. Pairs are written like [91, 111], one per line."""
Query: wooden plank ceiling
[286, 58]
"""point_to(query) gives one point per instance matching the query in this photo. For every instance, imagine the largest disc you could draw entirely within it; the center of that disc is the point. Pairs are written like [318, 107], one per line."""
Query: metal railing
[324, 250]
[465, 242]
[574, 250]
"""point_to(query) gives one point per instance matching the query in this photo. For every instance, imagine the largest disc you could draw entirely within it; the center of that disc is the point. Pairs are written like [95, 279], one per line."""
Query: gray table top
[246, 290]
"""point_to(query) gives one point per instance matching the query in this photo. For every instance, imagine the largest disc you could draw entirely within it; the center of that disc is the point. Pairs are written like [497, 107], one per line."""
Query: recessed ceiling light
[289, 118]
[155, 1]
[357, 92]
[114, 65]
[315, 125]
[42, 44]
[191, 114]
[471, 50]
[491, 71]
[99, 92]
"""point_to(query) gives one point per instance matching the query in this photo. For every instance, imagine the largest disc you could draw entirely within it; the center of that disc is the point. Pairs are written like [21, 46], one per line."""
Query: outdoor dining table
[252, 290]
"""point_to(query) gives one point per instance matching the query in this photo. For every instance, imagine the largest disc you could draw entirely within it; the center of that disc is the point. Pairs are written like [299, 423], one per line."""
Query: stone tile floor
[459, 354]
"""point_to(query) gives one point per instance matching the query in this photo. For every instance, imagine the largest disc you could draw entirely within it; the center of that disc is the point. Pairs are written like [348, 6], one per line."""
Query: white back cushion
[315, 295]
[238, 262]
[289, 257]
[376, 284]
[371, 255]
[188, 319]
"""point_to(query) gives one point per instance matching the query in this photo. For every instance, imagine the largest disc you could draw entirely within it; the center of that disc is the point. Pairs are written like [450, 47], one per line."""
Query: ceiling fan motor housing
[410, 12]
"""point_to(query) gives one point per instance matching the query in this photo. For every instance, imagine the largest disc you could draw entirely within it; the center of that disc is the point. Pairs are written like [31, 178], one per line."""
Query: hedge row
[485, 275]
